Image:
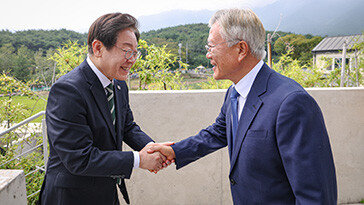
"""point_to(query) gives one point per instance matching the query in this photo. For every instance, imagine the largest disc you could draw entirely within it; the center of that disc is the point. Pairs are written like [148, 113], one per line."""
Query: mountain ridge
[323, 17]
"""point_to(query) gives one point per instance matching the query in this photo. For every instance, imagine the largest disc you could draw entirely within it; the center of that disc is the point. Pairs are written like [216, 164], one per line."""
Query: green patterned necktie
[110, 100]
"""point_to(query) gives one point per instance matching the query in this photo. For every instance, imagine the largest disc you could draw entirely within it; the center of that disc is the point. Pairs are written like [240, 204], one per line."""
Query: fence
[21, 137]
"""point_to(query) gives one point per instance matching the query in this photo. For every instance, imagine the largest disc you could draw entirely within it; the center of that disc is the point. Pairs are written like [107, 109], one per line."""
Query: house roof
[336, 43]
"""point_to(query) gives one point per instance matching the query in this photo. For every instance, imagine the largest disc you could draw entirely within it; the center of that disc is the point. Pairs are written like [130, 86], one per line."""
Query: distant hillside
[192, 35]
[40, 39]
[317, 17]
[173, 18]
[193, 38]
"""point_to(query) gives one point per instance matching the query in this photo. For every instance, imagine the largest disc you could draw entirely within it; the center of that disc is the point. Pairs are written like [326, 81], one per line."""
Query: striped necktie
[110, 100]
[234, 110]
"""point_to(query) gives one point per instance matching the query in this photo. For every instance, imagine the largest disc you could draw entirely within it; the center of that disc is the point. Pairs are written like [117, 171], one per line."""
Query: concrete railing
[175, 115]
[12, 187]
[26, 144]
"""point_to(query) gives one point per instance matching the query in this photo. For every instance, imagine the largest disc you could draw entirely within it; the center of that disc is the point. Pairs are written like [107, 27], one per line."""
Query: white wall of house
[320, 61]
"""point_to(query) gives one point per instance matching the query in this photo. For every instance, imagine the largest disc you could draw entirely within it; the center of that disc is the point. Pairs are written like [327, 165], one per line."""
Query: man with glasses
[88, 117]
[278, 145]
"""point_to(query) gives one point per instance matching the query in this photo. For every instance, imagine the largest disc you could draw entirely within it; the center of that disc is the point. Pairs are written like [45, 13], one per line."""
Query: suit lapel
[99, 95]
[228, 117]
[118, 105]
[250, 110]
[101, 101]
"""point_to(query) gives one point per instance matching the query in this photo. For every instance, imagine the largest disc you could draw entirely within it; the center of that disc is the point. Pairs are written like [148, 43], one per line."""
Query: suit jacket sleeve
[305, 150]
[133, 135]
[205, 142]
[70, 134]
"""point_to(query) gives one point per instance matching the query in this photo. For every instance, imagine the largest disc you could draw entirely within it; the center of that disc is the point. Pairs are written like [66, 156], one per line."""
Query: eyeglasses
[130, 53]
[208, 47]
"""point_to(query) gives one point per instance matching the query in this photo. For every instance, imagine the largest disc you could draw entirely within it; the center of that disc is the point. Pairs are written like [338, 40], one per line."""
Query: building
[330, 48]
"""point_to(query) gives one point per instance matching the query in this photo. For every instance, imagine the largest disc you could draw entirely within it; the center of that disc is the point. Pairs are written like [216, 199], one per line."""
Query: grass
[35, 105]
[191, 82]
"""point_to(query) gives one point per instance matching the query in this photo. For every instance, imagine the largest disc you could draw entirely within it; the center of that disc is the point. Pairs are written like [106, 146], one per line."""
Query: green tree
[23, 64]
[69, 56]
[299, 47]
[193, 37]
[40, 39]
[12, 144]
[154, 69]
[10, 112]
[304, 75]
[7, 58]
[44, 67]
[358, 72]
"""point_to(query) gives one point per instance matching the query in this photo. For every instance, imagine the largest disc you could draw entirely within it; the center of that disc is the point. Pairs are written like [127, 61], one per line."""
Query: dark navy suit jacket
[85, 156]
[282, 152]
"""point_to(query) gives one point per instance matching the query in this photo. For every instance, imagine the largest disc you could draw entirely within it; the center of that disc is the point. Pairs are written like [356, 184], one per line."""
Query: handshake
[156, 156]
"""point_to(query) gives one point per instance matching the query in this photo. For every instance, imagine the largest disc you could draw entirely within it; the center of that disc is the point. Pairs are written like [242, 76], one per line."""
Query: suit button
[232, 181]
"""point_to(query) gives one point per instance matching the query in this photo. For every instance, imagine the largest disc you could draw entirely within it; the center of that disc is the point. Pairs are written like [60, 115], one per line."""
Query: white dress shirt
[245, 84]
[105, 82]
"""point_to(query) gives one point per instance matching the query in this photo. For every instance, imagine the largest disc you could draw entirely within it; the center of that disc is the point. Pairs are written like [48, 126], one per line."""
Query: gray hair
[241, 24]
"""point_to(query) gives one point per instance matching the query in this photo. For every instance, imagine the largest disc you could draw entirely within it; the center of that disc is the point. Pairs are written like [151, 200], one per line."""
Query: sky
[78, 15]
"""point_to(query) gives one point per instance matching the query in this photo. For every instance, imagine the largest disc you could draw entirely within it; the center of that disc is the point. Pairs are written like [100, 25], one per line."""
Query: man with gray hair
[278, 145]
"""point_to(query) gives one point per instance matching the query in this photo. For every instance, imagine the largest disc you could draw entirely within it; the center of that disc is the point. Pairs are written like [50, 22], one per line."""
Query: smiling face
[112, 62]
[224, 59]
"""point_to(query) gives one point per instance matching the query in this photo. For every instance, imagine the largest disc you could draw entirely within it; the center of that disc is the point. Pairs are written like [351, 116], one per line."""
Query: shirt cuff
[136, 159]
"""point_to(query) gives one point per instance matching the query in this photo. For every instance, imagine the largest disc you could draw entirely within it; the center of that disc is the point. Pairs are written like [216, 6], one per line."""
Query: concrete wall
[12, 187]
[175, 115]
[343, 111]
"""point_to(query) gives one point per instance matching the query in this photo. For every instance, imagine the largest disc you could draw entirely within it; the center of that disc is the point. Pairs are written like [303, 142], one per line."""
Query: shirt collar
[103, 79]
[244, 85]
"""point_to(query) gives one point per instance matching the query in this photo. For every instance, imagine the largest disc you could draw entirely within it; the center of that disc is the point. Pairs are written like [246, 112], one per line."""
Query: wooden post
[343, 65]
[269, 50]
[186, 52]
[348, 74]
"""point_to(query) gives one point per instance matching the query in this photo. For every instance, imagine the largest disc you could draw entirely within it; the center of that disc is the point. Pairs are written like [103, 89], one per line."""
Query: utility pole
[348, 73]
[343, 65]
[186, 52]
[356, 67]
[179, 53]
[269, 42]
[269, 50]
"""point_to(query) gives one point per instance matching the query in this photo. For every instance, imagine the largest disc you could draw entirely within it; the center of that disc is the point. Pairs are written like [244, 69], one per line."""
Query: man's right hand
[151, 161]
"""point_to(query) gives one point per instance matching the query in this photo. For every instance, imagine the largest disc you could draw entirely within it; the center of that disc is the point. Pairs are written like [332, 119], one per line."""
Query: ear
[97, 48]
[243, 50]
